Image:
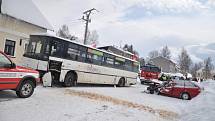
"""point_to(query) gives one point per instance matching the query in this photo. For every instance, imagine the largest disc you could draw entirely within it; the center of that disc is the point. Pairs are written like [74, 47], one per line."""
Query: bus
[71, 62]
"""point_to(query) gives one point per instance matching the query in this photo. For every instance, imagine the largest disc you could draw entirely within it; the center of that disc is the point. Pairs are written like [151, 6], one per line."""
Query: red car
[20, 79]
[149, 72]
[181, 89]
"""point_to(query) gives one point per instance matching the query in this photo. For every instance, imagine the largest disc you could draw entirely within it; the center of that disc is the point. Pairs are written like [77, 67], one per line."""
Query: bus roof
[50, 35]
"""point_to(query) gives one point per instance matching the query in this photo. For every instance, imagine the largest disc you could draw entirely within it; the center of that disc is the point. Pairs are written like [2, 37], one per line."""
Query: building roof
[25, 10]
[164, 59]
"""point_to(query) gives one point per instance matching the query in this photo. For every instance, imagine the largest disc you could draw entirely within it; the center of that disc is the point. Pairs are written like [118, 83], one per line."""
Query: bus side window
[57, 49]
[119, 63]
[83, 54]
[89, 58]
[128, 65]
[72, 52]
[97, 59]
[109, 61]
[135, 67]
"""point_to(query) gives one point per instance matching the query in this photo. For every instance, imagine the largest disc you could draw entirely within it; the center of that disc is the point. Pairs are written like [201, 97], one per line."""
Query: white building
[19, 19]
[165, 64]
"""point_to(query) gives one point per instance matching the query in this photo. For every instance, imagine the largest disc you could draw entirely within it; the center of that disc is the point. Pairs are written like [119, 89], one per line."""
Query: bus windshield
[38, 48]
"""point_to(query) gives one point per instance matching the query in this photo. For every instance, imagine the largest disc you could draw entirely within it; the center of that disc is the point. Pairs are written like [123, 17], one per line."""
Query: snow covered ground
[105, 103]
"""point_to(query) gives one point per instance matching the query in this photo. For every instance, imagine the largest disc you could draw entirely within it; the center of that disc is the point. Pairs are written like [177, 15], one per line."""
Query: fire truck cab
[149, 72]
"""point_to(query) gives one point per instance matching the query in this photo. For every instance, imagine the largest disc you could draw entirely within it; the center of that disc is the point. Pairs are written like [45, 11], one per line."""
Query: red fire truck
[149, 72]
[20, 79]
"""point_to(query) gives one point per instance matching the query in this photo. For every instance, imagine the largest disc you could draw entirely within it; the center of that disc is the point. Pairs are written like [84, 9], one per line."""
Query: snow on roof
[25, 10]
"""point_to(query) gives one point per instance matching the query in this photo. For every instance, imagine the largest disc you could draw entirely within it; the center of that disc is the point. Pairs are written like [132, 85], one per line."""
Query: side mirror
[13, 65]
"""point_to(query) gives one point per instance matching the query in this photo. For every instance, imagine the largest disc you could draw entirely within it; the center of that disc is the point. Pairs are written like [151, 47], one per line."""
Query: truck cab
[149, 72]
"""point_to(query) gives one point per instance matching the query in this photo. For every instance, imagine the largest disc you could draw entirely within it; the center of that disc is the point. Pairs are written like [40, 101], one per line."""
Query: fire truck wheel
[26, 89]
[70, 80]
[121, 82]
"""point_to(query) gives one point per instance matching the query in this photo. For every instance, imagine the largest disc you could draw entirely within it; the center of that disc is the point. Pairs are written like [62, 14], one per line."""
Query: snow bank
[201, 108]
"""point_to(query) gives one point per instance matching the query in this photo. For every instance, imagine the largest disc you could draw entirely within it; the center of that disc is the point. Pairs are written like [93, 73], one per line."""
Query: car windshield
[4, 60]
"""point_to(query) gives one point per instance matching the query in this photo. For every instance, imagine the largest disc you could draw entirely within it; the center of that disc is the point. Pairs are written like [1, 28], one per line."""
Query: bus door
[55, 59]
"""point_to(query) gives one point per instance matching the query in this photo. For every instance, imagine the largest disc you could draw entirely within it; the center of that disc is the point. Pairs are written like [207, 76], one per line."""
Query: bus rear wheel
[70, 80]
[121, 82]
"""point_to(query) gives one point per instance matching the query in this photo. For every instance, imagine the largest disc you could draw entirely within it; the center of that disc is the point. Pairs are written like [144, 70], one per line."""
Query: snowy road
[97, 103]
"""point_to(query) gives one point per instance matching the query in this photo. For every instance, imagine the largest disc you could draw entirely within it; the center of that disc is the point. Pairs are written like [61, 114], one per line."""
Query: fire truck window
[155, 69]
[146, 68]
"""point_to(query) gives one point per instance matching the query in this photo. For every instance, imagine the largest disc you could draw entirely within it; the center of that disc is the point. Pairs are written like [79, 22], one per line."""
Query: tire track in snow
[98, 97]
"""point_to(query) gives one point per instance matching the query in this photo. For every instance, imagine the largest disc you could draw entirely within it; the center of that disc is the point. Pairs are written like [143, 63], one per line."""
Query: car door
[178, 88]
[8, 75]
[168, 90]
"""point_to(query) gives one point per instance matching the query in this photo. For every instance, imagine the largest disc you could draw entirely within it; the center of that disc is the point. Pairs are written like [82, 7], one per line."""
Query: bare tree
[92, 37]
[153, 54]
[135, 52]
[195, 68]
[184, 61]
[165, 52]
[208, 67]
[74, 38]
[142, 61]
[64, 32]
[130, 49]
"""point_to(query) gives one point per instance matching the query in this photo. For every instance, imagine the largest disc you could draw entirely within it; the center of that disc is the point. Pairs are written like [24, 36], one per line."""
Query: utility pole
[87, 19]
[0, 5]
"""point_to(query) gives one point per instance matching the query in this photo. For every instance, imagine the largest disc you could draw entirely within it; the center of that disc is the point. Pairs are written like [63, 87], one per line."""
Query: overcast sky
[147, 24]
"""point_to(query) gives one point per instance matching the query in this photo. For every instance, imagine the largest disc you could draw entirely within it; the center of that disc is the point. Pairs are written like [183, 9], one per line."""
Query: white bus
[71, 62]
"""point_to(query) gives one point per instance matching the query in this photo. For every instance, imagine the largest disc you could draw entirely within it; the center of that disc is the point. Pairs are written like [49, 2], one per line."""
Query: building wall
[16, 30]
[165, 65]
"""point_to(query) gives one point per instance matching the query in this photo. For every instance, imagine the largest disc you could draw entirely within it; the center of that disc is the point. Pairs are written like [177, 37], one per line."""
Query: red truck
[149, 72]
[20, 79]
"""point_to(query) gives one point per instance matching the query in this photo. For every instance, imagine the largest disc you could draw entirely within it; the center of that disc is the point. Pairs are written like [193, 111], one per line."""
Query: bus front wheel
[70, 80]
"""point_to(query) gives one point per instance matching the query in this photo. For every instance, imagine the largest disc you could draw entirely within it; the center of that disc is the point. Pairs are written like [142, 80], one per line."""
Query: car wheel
[185, 96]
[121, 82]
[70, 80]
[26, 89]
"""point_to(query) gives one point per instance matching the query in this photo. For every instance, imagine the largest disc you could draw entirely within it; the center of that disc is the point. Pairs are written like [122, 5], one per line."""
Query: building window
[9, 48]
